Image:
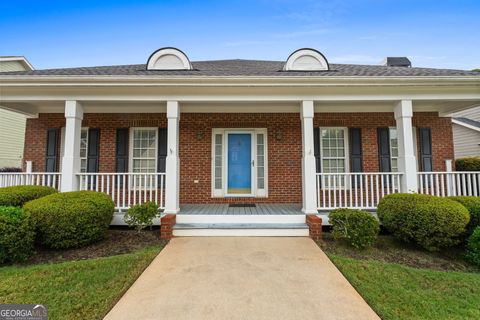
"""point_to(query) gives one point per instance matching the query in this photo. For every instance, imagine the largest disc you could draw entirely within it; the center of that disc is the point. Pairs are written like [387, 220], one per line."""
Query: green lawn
[85, 289]
[398, 292]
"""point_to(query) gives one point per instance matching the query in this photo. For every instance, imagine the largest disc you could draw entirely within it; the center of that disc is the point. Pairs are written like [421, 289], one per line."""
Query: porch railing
[355, 190]
[50, 179]
[126, 189]
[451, 183]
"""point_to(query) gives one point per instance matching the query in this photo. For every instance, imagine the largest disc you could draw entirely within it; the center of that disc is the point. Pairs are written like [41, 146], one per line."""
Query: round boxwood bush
[71, 219]
[17, 234]
[16, 196]
[473, 247]
[431, 222]
[468, 164]
[473, 206]
[359, 228]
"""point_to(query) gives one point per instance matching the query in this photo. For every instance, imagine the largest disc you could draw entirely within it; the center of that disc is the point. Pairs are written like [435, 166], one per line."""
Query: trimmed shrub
[18, 195]
[473, 247]
[141, 216]
[71, 219]
[429, 221]
[359, 228]
[468, 164]
[473, 206]
[17, 234]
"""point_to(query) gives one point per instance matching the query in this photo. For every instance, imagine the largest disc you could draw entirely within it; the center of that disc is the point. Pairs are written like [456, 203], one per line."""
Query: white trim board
[463, 124]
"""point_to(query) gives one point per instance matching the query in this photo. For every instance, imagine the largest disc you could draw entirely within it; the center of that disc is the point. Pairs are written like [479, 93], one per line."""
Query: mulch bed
[118, 241]
[388, 249]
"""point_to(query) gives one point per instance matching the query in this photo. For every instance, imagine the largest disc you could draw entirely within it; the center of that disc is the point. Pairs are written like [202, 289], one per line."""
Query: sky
[57, 34]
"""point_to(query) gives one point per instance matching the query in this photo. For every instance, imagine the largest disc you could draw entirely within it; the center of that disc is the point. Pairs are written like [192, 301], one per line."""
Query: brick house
[221, 144]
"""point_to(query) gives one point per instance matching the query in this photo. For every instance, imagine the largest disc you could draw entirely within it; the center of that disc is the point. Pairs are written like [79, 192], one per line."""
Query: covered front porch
[307, 155]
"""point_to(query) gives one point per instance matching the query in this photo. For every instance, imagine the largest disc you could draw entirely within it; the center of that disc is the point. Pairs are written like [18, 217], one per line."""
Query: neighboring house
[231, 142]
[12, 124]
[466, 133]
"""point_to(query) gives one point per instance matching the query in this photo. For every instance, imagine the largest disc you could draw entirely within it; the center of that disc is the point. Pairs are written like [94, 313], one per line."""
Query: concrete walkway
[241, 278]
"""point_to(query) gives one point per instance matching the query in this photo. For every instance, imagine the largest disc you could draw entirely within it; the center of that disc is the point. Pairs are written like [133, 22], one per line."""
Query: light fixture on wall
[200, 135]
[279, 134]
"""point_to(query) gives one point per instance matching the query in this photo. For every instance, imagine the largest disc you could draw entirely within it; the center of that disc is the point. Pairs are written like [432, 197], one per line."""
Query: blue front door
[239, 163]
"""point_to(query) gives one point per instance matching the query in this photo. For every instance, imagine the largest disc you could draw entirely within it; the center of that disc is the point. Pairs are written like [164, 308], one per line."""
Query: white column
[309, 177]
[71, 146]
[172, 176]
[407, 162]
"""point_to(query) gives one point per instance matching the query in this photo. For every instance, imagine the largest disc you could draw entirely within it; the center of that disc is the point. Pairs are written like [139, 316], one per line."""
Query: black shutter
[93, 150]
[52, 150]
[384, 149]
[162, 150]
[356, 150]
[425, 149]
[316, 148]
[121, 162]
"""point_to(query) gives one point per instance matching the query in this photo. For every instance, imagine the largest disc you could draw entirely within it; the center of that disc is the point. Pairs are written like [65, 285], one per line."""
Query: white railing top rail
[29, 173]
[449, 172]
[118, 173]
[357, 173]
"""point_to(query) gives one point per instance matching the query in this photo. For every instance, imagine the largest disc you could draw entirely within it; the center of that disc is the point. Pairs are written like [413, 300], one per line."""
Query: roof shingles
[250, 68]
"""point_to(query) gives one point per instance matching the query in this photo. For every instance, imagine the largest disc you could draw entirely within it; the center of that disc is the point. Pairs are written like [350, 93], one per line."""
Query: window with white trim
[83, 148]
[333, 152]
[394, 147]
[143, 152]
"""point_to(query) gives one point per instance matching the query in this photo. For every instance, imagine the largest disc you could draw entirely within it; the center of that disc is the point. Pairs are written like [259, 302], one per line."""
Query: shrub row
[71, 219]
[17, 234]
[17, 196]
[55, 220]
[468, 164]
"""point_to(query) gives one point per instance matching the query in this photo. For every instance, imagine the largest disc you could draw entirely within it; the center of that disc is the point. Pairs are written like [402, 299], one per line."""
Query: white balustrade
[449, 183]
[127, 189]
[355, 190]
[50, 179]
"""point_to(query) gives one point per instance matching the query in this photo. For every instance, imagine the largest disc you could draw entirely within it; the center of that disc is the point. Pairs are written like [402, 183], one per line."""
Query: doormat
[242, 205]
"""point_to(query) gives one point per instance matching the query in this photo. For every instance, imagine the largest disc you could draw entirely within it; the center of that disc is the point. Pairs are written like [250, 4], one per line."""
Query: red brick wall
[36, 133]
[441, 130]
[284, 154]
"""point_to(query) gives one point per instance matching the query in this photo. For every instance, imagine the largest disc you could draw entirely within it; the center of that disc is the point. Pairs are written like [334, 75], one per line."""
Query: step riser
[208, 218]
[240, 232]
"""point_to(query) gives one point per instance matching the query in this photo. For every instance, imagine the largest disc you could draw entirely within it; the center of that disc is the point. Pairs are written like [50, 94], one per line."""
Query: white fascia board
[20, 59]
[32, 80]
[460, 123]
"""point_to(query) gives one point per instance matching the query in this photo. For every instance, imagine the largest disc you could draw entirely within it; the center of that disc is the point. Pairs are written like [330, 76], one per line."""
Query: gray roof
[254, 68]
[470, 122]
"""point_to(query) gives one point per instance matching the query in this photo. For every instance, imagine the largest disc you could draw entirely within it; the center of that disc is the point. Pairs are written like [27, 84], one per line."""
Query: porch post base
[315, 226]
[166, 226]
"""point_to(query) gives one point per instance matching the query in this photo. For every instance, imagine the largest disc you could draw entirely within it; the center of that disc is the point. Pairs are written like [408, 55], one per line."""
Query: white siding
[473, 113]
[11, 66]
[466, 141]
[12, 137]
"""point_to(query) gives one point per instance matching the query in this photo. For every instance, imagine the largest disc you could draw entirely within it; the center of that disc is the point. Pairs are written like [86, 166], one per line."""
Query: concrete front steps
[240, 225]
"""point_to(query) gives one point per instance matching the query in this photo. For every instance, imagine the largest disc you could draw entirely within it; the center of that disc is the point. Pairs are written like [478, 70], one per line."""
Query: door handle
[253, 163]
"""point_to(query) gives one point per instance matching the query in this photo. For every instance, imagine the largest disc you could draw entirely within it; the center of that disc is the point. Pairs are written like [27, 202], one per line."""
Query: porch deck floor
[259, 209]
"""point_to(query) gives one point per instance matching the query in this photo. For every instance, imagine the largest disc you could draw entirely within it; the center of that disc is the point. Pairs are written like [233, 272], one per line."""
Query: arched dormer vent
[168, 59]
[306, 59]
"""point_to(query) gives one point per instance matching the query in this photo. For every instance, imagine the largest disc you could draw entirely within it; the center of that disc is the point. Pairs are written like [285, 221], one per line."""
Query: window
[394, 147]
[260, 161]
[144, 150]
[83, 148]
[333, 152]
[393, 150]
